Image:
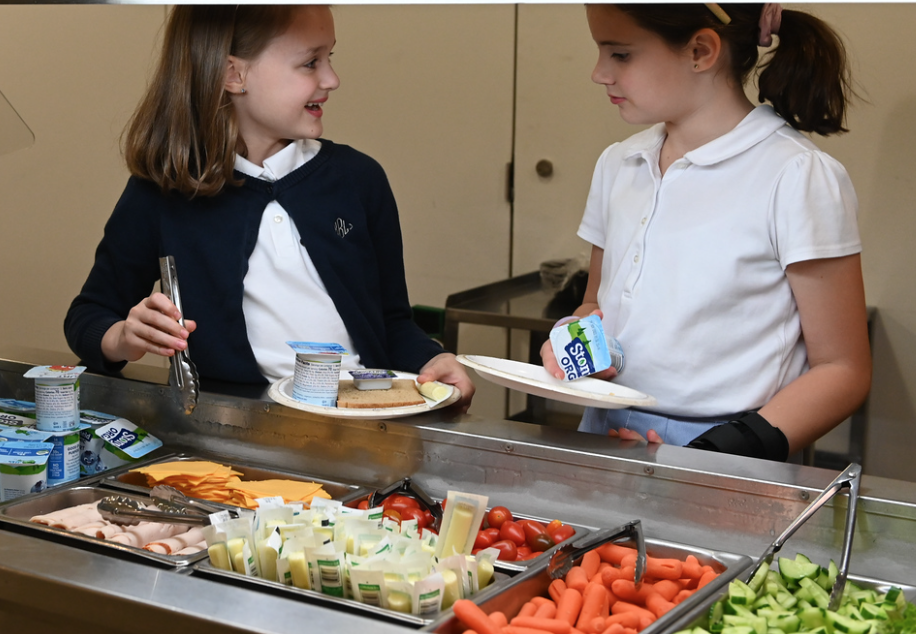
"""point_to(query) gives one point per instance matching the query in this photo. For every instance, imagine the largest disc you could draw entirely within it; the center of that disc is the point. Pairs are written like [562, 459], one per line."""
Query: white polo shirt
[284, 298]
[693, 280]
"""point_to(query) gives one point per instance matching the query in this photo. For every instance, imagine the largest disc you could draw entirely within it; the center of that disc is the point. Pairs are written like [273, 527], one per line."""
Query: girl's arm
[831, 303]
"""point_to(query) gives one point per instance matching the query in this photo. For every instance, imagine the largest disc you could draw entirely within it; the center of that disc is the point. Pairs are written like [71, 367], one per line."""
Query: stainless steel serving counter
[706, 500]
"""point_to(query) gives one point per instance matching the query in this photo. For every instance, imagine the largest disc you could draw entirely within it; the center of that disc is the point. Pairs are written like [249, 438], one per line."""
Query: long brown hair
[805, 77]
[183, 135]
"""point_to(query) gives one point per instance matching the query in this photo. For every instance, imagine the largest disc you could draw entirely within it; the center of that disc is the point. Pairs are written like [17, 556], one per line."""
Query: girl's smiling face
[644, 77]
[286, 85]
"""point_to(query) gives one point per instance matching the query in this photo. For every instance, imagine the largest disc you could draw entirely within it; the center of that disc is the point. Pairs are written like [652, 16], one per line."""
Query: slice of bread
[403, 393]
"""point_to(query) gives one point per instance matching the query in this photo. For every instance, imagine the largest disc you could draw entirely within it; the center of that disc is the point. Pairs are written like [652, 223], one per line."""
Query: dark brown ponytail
[805, 77]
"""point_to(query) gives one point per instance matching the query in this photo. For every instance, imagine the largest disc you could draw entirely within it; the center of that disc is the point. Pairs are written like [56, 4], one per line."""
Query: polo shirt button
[636, 258]
[643, 221]
[278, 219]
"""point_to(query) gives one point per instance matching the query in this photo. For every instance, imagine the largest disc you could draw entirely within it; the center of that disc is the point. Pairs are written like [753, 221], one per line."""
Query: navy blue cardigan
[345, 211]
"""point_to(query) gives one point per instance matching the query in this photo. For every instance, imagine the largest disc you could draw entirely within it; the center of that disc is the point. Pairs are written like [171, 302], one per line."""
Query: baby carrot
[589, 563]
[664, 568]
[569, 605]
[539, 601]
[692, 568]
[596, 626]
[628, 572]
[609, 574]
[528, 609]
[613, 553]
[707, 577]
[626, 590]
[667, 588]
[594, 603]
[626, 619]
[614, 628]
[516, 629]
[577, 578]
[548, 625]
[644, 622]
[683, 594]
[657, 604]
[624, 606]
[473, 617]
[546, 610]
[499, 619]
[556, 589]
[629, 560]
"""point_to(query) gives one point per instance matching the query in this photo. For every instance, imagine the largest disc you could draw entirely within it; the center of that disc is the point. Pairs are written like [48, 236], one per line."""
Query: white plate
[534, 379]
[282, 392]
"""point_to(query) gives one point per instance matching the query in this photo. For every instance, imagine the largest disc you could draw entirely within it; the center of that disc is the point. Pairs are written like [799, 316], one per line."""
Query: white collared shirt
[284, 298]
[693, 280]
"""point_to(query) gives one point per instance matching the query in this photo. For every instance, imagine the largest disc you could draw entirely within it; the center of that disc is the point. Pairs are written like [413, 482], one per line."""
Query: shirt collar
[278, 165]
[759, 124]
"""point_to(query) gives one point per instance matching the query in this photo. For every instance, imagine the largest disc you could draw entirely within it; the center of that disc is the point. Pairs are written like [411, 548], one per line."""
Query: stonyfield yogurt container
[57, 396]
[25, 409]
[91, 445]
[15, 420]
[317, 372]
[123, 443]
[23, 468]
[64, 462]
[23, 434]
[582, 347]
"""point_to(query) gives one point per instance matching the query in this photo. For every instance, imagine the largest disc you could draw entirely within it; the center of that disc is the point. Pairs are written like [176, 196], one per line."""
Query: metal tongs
[183, 374]
[170, 498]
[850, 477]
[564, 558]
[125, 511]
[406, 486]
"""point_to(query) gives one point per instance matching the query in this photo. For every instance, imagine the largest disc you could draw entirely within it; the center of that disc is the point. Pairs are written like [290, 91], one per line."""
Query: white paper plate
[535, 380]
[282, 392]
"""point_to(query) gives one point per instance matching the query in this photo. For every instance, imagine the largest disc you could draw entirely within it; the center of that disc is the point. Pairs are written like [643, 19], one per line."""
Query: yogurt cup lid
[314, 347]
[62, 372]
[368, 375]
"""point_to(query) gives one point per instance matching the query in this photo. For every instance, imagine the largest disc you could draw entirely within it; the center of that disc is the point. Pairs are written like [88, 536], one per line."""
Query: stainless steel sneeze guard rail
[685, 496]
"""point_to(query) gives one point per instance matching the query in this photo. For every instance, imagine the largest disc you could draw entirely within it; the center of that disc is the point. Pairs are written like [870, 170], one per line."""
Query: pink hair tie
[770, 19]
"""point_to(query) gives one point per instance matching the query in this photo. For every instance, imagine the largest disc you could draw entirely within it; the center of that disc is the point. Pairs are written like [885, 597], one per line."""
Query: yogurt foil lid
[25, 453]
[61, 372]
[24, 434]
[127, 437]
[14, 420]
[314, 347]
[15, 406]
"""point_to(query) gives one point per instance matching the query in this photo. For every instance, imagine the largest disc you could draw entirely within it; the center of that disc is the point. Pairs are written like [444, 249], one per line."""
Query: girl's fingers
[550, 360]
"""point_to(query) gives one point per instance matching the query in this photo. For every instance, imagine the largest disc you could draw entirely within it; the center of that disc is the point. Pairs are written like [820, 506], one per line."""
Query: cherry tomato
[530, 555]
[532, 528]
[363, 504]
[400, 503]
[483, 540]
[414, 514]
[493, 533]
[392, 514]
[498, 515]
[508, 551]
[563, 533]
[512, 531]
[430, 520]
[540, 543]
[522, 552]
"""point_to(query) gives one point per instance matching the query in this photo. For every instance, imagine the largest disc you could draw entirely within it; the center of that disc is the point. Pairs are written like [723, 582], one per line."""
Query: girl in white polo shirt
[725, 253]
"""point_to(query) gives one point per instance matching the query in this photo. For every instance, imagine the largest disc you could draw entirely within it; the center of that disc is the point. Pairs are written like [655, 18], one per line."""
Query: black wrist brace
[751, 435]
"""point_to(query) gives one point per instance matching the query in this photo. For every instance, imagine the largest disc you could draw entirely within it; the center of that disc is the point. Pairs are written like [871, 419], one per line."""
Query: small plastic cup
[57, 396]
[582, 347]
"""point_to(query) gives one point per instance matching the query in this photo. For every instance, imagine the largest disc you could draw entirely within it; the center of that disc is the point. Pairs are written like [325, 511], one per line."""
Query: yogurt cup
[582, 347]
[123, 443]
[91, 445]
[64, 462]
[23, 468]
[57, 396]
[369, 379]
[15, 406]
[317, 375]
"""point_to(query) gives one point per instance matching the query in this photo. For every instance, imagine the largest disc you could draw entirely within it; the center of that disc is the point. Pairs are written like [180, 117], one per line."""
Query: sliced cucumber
[759, 577]
[799, 568]
[847, 625]
[740, 593]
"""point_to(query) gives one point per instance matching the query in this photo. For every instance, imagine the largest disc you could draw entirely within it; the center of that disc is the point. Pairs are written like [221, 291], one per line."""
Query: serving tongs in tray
[174, 508]
[564, 558]
[183, 375]
[849, 477]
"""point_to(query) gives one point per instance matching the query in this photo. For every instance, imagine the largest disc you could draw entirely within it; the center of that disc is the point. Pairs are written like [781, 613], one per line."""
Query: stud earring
[695, 66]
[243, 91]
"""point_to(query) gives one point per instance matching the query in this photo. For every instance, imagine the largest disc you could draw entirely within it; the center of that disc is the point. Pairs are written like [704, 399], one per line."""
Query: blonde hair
[183, 135]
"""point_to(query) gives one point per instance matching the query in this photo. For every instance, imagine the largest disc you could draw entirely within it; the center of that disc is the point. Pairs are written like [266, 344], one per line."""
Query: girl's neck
[703, 124]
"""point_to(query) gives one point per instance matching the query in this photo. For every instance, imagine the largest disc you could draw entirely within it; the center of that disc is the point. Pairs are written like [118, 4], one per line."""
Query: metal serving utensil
[166, 498]
[125, 511]
[183, 375]
[849, 477]
[564, 558]
[406, 486]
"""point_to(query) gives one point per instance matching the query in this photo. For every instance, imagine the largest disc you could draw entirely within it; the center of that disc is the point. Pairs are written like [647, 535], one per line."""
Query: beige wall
[75, 73]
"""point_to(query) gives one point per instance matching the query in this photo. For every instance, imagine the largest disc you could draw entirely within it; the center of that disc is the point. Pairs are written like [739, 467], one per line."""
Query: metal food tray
[17, 513]
[535, 581]
[520, 566]
[126, 479]
[206, 569]
[697, 615]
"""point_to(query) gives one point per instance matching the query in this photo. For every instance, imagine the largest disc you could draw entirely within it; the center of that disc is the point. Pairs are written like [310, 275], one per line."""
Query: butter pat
[435, 390]
[582, 348]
